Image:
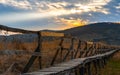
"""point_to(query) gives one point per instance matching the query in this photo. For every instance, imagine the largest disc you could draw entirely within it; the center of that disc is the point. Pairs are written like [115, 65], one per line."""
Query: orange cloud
[72, 21]
[69, 23]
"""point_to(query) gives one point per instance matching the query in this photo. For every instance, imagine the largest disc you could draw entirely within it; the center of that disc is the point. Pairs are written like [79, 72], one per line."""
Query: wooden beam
[46, 33]
[33, 58]
[57, 52]
[2, 27]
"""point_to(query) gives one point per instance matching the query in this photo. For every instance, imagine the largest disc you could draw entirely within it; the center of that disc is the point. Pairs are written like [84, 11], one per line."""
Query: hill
[99, 32]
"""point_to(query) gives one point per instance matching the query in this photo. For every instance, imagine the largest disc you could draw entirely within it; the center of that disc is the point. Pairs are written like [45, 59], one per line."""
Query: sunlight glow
[52, 9]
[69, 23]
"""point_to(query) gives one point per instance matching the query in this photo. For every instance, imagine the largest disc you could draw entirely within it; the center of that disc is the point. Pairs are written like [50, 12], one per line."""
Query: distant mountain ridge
[99, 32]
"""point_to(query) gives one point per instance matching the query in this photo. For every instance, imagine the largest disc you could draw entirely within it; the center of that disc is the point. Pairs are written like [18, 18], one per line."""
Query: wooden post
[70, 51]
[82, 70]
[85, 50]
[81, 53]
[33, 58]
[76, 71]
[66, 55]
[55, 56]
[72, 48]
[57, 52]
[102, 62]
[89, 68]
[99, 63]
[78, 47]
[95, 66]
[40, 47]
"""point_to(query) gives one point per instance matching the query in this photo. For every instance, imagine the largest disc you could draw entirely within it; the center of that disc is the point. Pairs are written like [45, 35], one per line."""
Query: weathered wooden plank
[57, 52]
[66, 66]
[40, 73]
[78, 49]
[54, 69]
[71, 64]
[45, 33]
[33, 58]
[2, 27]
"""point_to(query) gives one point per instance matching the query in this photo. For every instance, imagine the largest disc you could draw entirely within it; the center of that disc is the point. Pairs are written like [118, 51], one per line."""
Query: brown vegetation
[113, 66]
[15, 63]
[48, 51]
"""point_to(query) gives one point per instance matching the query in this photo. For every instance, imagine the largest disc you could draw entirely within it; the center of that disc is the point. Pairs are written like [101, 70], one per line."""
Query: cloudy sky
[57, 14]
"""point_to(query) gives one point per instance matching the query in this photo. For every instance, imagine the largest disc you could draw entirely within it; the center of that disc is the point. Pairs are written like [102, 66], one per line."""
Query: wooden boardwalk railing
[66, 68]
[78, 58]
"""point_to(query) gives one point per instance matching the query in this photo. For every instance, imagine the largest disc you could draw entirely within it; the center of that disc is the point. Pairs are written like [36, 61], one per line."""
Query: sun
[73, 22]
[77, 22]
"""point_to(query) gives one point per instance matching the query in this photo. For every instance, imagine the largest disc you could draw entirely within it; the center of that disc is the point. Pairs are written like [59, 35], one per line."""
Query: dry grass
[18, 46]
[7, 60]
[113, 66]
[48, 51]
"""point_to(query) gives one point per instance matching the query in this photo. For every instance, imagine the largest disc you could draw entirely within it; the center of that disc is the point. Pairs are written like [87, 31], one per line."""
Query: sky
[57, 14]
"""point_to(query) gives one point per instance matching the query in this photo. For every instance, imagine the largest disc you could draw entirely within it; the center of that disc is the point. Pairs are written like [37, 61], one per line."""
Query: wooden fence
[70, 56]
[75, 59]
[80, 66]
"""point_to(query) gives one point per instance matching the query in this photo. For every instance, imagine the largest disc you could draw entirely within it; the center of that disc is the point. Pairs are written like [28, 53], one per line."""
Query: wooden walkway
[66, 67]
[81, 54]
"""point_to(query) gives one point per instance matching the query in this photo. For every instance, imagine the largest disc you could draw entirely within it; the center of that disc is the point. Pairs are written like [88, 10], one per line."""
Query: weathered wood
[40, 73]
[43, 33]
[89, 68]
[33, 58]
[57, 52]
[53, 60]
[95, 64]
[55, 34]
[82, 71]
[2, 27]
[90, 52]
[68, 52]
[84, 54]
[78, 48]
[72, 48]
[81, 53]
[76, 71]
[68, 66]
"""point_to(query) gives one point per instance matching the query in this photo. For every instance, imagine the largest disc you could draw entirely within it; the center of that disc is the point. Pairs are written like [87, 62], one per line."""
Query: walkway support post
[33, 58]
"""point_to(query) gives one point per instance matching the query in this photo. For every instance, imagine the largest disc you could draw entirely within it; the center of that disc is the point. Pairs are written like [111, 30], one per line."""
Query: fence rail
[75, 59]
[66, 68]
[80, 58]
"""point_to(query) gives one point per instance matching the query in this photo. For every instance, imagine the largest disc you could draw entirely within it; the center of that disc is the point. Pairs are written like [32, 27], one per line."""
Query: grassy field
[48, 49]
[113, 66]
